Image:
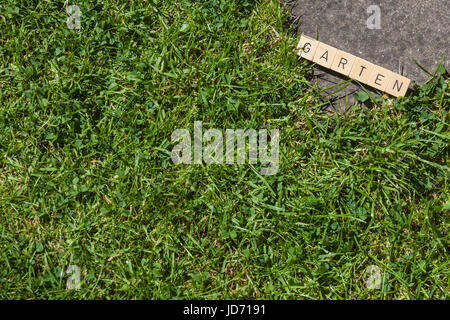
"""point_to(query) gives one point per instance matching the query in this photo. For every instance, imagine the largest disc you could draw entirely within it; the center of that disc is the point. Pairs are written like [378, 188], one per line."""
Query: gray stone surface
[410, 30]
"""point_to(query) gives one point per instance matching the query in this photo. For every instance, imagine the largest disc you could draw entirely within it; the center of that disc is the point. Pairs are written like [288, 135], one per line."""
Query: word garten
[353, 67]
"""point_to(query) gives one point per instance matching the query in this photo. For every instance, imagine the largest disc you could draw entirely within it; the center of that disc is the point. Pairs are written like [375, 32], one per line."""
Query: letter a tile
[325, 55]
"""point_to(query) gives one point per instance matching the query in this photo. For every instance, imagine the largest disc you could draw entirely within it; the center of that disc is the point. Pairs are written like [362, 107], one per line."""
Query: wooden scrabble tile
[306, 47]
[397, 85]
[324, 55]
[379, 78]
[362, 70]
[343, 62]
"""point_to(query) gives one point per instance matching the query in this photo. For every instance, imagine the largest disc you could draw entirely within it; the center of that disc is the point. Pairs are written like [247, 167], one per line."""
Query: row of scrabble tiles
[353, 67]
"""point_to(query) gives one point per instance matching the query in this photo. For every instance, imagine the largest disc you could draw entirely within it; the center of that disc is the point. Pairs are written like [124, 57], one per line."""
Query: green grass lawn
[86, 177]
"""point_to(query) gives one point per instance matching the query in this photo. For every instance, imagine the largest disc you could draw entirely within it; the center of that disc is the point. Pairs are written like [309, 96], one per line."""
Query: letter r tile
[306, 47]
[343, 62]
[324, 55]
